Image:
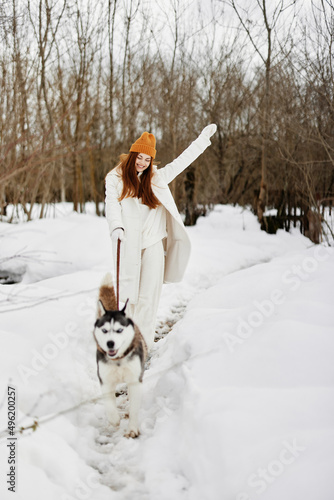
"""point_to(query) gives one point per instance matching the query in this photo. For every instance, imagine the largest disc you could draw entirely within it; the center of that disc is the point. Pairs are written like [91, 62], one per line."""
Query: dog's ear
[126, 303]
[100, 309]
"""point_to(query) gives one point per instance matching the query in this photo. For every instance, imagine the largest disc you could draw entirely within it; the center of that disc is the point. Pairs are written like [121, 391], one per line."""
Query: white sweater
[153, 224]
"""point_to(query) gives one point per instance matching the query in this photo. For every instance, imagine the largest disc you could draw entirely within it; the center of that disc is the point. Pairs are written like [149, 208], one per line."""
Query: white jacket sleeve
[113, 206]
[170, 171]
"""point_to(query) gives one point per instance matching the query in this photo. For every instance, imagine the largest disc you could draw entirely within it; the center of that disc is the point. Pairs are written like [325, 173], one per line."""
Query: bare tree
[45, 26]
[112, 5]
[266, 56]
[5, 18]
[131, 9]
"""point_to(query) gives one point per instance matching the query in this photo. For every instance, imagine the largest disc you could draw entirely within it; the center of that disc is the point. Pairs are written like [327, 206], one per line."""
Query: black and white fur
[121, 355]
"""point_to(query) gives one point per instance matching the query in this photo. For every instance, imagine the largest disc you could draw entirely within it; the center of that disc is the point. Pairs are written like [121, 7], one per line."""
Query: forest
[80, 81]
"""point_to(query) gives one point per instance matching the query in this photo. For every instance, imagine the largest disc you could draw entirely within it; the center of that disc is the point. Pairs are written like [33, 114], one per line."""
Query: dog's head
[113, 331]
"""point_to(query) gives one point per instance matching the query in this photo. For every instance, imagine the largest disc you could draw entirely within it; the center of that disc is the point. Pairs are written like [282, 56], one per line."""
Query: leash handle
[117, 271]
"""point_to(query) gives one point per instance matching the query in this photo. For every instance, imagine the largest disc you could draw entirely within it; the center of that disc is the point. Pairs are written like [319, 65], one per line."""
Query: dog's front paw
[132, 432]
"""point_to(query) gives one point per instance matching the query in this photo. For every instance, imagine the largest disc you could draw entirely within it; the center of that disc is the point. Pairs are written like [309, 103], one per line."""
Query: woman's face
[142, 162]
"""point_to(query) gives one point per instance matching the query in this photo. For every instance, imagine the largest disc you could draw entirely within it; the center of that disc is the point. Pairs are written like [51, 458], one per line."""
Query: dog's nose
[110, 344]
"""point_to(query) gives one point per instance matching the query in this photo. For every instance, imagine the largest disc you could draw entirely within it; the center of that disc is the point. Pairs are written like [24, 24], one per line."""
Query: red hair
[132, 186]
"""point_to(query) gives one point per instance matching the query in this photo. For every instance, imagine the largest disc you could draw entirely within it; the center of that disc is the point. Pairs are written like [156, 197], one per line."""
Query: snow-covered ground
[238, 397]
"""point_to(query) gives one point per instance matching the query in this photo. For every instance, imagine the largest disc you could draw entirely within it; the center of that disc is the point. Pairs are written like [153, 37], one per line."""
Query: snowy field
[238, 398]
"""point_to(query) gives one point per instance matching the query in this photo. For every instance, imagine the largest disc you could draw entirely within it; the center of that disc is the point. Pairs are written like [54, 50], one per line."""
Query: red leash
[117, 271]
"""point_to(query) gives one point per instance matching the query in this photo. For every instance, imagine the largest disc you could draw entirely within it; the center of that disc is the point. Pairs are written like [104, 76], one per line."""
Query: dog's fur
[121, 355]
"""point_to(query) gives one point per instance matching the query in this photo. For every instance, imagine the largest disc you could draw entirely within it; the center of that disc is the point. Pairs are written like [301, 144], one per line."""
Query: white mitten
[209, 130]
[117, 234]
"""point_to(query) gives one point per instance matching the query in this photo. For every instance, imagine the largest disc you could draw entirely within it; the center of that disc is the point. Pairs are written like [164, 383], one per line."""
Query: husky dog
[121, 355]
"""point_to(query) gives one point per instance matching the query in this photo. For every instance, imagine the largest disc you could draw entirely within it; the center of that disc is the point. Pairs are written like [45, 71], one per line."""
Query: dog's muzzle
[111, 351]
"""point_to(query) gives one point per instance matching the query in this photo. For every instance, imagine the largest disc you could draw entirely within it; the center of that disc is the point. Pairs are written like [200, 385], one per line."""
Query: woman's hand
[117, 234]
[209, 130]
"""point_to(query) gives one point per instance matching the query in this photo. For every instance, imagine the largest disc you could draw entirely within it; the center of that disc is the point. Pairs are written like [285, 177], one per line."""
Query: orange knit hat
[145, 144]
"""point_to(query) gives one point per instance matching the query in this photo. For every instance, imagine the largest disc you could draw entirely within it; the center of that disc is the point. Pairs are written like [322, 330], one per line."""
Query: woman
[141, 212]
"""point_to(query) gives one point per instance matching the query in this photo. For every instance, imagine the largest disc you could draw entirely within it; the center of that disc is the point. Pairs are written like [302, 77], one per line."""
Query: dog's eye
[119, 330]
[104, 330]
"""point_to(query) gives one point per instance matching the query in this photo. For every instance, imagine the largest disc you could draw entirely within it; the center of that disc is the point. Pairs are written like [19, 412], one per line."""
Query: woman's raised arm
[196, 148]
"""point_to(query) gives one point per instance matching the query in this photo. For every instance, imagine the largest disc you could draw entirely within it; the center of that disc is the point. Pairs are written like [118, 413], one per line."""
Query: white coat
[126, 214]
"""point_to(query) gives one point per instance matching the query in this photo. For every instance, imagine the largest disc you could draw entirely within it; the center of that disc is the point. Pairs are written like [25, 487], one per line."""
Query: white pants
[151, 279]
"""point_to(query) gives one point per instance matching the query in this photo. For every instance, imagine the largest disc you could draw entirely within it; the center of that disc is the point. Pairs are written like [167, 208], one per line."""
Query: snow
[238, 398]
